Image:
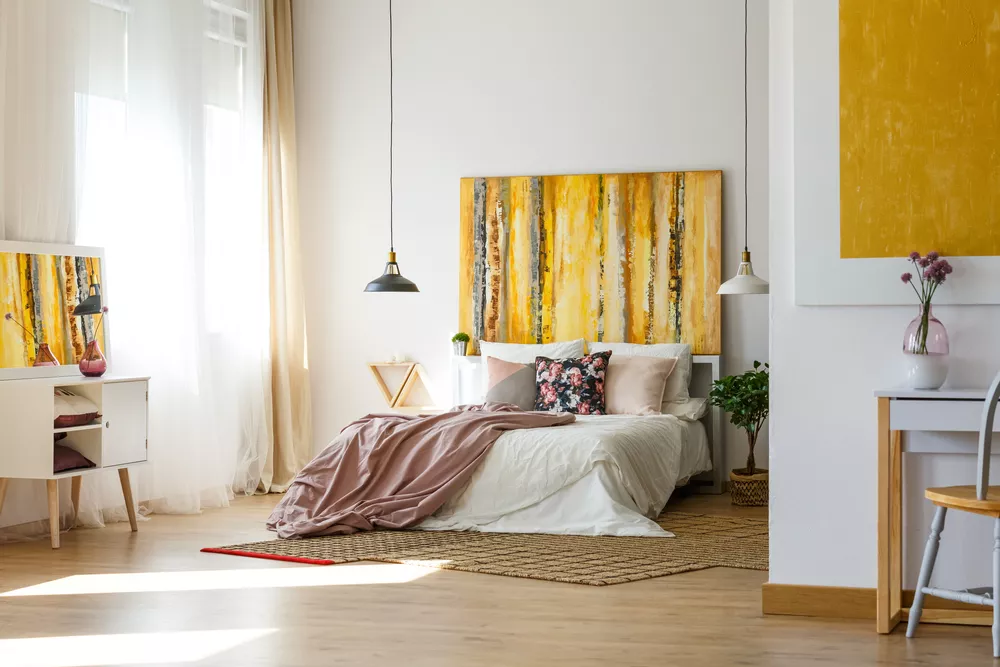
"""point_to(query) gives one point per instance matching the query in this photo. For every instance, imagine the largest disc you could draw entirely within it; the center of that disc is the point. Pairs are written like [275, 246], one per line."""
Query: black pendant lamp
[391, 279]
[93, 303]
[745, 281]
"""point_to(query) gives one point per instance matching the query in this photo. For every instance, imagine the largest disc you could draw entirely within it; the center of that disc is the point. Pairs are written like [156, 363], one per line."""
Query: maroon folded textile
[393, 471]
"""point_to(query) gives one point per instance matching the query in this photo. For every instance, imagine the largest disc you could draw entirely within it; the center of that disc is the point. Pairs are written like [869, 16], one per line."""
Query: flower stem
[21, 326]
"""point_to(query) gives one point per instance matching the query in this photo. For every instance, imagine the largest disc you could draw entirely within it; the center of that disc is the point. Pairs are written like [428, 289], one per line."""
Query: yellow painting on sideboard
[40, 292]
[919, 127]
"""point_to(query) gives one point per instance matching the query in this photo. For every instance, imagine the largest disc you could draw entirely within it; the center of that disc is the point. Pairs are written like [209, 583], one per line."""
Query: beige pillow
[634, 385]
[677, 384]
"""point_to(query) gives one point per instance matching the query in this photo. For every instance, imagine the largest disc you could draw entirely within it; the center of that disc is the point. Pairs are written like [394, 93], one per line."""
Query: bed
[602, 475]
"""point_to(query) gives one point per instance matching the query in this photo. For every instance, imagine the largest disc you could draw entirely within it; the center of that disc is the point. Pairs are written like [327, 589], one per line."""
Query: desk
[947, 410]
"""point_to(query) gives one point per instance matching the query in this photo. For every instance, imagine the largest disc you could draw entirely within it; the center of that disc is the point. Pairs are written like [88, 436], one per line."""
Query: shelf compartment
[73, 429]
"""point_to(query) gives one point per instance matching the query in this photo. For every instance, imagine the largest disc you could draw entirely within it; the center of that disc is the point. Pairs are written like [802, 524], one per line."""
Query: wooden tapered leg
[53, 488]
[127, 492]
[896, 526]
[75, 494]
[3, 491]
[888, 594]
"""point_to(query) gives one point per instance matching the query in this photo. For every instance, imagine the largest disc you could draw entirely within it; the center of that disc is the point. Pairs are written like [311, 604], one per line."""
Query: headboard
[469, 382]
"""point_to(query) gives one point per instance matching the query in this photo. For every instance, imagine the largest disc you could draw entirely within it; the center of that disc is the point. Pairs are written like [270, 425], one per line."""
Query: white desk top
[949, 394]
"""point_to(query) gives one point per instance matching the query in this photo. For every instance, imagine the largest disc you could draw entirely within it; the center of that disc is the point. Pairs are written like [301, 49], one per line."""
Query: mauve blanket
[392, 471]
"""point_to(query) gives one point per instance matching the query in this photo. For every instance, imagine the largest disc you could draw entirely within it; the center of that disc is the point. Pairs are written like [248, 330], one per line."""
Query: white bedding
[602, 475]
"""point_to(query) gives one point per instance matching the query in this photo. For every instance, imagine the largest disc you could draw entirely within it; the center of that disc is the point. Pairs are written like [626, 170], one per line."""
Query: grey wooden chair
[979, 499]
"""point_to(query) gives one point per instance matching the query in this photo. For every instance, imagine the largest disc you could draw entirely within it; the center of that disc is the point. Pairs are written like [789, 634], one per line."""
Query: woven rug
[701, 542]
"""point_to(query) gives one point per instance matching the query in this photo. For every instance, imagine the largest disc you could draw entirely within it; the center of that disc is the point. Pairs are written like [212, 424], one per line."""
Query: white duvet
[602, 475]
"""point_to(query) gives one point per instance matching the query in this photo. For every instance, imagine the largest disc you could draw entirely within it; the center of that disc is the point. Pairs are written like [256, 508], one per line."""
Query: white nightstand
[117, 440]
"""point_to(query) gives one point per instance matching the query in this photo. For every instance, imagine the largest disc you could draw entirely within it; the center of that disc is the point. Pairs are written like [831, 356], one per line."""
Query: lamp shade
[92, 304]
[745, 281]
[391, 279]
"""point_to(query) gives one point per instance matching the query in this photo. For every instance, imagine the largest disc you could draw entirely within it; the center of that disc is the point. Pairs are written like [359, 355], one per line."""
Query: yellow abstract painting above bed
[40, 291]
[605, 257]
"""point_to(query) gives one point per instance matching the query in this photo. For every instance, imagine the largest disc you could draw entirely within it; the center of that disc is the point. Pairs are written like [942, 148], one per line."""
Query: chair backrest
[986, 438]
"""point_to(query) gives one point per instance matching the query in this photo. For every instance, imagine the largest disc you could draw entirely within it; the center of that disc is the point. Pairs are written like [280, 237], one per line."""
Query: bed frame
[468, 382]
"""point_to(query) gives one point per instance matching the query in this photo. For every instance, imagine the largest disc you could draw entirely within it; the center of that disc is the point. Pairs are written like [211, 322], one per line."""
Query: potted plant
[745, 398]
[460, 343]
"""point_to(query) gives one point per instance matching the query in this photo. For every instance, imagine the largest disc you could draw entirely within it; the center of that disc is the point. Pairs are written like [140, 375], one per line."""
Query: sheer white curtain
[167, 172]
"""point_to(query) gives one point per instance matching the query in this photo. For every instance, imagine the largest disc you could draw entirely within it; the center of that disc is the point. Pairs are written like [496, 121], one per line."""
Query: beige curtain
[290, 402]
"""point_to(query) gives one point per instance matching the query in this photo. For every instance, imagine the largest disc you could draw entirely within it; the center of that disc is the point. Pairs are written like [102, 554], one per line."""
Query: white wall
[827, 361]
[495, 88]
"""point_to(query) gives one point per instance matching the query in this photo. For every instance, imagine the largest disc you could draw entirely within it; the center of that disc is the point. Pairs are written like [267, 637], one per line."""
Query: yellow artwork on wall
[604, 257]
[41, 291]
[919, 127]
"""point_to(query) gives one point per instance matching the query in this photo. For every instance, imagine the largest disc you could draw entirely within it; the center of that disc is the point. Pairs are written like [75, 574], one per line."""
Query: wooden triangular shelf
[416, 376]
[392, 397]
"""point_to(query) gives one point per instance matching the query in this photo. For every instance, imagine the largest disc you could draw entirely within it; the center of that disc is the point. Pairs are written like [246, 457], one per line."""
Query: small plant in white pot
[745, 398]
[460, 344]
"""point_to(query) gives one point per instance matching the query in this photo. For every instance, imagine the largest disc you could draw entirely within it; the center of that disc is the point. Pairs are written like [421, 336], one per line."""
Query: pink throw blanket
[393, 471]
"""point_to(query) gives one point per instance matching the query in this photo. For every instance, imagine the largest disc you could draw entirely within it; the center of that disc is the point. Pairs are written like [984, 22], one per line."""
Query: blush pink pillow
[634, 385]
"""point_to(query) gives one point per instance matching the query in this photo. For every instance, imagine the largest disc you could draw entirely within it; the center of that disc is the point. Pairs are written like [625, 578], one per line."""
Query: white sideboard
[118, 439]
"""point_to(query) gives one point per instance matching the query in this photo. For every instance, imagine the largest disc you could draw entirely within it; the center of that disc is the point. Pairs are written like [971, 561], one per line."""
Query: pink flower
[933, 255]
[923, 262]
[583, 409]
[540, 365]
[914, 255]
[599, 386]
[556, 368]
[906, 277]
[598, 362]
[575, 377]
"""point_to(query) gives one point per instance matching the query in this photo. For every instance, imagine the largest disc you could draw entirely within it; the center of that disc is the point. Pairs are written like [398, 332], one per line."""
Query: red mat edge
[251, 554]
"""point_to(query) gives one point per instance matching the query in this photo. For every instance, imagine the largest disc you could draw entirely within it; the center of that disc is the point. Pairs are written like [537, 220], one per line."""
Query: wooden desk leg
[896, 530]
[127, 492]
[53, 488]
[3, 491]
[75, 495]
[889, 503]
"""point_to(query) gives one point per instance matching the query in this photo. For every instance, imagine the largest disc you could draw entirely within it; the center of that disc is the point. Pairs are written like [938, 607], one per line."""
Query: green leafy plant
[745, 398]
[460, 338]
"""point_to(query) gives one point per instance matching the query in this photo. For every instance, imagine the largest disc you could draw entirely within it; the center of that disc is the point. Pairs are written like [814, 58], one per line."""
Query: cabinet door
[124, 440]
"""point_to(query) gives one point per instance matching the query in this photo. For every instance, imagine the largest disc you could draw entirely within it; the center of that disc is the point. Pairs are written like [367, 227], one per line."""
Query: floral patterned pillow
[571, 385]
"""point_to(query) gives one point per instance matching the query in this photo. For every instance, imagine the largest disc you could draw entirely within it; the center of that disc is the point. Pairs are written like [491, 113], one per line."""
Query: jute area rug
[701, 542]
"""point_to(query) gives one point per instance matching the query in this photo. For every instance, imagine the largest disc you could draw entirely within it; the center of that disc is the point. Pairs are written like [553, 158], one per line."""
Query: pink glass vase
[925, 351]
[92, 363]
[44, 356]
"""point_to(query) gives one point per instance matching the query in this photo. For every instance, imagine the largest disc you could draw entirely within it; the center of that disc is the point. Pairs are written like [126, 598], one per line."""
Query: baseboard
[837, 602]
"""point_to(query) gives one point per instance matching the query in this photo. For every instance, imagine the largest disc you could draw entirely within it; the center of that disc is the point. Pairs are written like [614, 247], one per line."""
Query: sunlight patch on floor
[143, 648]
[427, 563]
[210, 580]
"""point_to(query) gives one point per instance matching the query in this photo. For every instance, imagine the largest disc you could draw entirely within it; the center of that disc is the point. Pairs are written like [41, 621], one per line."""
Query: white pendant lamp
[745, 281]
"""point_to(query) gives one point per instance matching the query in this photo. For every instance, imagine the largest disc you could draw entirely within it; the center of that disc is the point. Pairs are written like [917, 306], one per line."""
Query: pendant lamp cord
[391, 248]
[746, 127]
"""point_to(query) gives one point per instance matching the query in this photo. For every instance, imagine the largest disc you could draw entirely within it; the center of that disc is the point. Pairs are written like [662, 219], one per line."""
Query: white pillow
[525, 353]
[677, 384]
[690, 410]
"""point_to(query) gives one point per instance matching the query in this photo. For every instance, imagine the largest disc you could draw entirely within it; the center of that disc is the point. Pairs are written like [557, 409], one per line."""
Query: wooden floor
[152, 598]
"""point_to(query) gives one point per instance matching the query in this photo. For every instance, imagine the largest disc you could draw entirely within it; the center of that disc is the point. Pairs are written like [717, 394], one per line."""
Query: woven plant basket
[748, 490]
